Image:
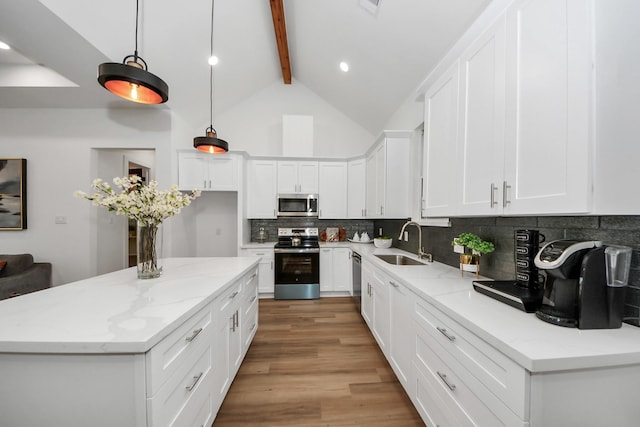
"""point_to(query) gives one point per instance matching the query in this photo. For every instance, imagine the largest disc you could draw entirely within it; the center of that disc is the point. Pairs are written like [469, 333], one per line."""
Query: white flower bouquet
[143, 203]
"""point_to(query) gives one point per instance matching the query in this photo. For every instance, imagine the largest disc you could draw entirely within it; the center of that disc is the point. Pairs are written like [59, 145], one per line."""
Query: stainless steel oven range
[297, 262]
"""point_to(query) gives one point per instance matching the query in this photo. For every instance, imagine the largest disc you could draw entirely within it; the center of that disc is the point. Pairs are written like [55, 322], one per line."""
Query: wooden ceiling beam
[277, 12]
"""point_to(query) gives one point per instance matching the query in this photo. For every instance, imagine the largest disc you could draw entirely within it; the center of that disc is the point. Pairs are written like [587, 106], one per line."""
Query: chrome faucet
[421, 252]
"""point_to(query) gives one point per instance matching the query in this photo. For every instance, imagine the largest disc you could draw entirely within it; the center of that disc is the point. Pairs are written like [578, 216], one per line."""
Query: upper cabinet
[297, 177]
[439, 150]
[261, 188]
[356, 207]
[207, 172]
[522, 142]
[332, 190]
[549, 69]
[388, 185]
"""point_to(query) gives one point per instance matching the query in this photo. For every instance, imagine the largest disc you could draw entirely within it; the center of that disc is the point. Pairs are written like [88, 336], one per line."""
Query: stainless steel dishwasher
[356, 261]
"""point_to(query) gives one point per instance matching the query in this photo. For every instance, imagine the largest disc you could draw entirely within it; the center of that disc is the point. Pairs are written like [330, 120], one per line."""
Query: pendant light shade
[131, 80]
[211, 143]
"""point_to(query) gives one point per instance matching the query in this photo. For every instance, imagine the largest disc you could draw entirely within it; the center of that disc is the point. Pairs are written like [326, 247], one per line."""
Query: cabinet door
[403, 338]
[261, 192]
[333, 190]
[439, 169]
[481, 124]
[380, 180]
[193, 171]
[397, 182]
[223, 173]
[371, 194]
[547, 148]
[356, 188]
[308, 177]
[342, 267]
[287, 177]
[326, 269]
[266, 276]
[380, 287]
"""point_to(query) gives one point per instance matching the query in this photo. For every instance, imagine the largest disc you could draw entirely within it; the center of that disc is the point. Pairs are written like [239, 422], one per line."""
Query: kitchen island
[466, 358]
[114, 350]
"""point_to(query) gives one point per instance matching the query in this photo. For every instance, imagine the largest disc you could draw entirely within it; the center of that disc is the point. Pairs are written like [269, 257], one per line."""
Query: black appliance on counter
[297, 264]
[525, 292]
[586, 283]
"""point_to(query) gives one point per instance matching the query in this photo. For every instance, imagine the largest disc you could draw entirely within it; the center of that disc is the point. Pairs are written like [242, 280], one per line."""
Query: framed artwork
[13, 194]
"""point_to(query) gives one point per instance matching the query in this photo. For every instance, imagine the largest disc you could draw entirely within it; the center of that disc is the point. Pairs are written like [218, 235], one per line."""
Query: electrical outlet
[60, 219]
[380, 232]
[406, 236]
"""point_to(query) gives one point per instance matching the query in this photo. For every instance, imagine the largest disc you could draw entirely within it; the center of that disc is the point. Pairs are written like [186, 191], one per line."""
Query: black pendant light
[211, 143]
[131, 80]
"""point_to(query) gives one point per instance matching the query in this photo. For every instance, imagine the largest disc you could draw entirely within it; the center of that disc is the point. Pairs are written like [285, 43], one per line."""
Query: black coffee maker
[580, 288]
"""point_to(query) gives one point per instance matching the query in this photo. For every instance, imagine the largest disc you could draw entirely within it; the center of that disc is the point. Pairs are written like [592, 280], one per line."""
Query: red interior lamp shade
[130, 80]
[211, 143]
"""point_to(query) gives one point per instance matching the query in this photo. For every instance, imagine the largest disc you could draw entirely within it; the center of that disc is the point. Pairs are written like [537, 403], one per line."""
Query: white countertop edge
[537, 354]
[119, 346]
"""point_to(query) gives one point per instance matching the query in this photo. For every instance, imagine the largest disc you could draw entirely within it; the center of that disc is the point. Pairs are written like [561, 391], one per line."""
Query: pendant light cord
[135, 52]
[211, 71]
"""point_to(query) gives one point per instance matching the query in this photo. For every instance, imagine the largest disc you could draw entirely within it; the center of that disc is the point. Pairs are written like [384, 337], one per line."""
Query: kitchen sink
[399, 260]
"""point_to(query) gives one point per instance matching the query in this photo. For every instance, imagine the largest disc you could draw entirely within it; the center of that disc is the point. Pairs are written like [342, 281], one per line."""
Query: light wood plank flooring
[314, 363]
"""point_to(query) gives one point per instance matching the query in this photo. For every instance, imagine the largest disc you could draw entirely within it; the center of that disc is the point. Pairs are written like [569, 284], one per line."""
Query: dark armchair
[20, 275]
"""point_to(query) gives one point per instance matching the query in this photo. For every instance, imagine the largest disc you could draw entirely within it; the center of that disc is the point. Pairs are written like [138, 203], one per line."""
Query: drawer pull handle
[195, 381]
[253, 276]
[193, 335]
[253, 298]
[233, 295]
[394, 284]
[252, 327]
[443, 377]
[443, 331]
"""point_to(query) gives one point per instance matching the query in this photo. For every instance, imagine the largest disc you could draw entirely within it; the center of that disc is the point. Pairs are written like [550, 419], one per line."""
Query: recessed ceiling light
[213, 60]
[4, 46]
[344, 66]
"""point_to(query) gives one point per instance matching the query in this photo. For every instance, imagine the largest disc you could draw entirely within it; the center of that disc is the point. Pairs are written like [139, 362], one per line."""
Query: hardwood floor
[314, 363]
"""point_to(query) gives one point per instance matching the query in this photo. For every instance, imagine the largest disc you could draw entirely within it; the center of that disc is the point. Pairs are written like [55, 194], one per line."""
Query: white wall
[255, 126]
[57, 144]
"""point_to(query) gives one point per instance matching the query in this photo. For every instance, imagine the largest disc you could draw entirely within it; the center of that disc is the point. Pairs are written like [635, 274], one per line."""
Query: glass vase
[149, 250]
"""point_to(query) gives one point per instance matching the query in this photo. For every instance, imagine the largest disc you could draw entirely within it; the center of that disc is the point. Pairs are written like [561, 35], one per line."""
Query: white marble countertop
[115, 312]
[533, 344]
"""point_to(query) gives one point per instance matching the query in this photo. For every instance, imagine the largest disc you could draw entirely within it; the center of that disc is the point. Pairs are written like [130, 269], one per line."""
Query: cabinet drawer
[250, 293]
[249, 326]
[502, 376]
[170, 353]
[229, 297]
[184, 395]
[457, 393]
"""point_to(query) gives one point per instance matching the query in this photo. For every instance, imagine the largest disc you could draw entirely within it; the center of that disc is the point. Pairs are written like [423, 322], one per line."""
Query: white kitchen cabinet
[387, 177]
[549, 68]
[401, 333]
[249, 309]
[297, 177]
[262, 188]
[480, 140]
[266, 276]
[207, 172]
[375, 304]
[335, 269]
[439, 172]
[356, 188]
[332, 190]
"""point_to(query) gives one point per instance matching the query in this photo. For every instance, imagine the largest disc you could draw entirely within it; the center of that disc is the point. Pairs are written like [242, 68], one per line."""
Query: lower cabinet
[266, 277]
[401, 332]
[375, 304]
[335, 269]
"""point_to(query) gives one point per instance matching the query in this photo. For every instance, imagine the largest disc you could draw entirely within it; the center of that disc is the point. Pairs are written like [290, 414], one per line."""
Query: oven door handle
[297, 251]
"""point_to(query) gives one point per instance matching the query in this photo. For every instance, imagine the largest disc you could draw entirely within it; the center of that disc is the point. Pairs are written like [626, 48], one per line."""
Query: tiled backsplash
[618, 230]
[271, 226]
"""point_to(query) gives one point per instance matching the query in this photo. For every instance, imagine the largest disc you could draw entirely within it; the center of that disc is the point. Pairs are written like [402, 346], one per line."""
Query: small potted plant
[466, 242]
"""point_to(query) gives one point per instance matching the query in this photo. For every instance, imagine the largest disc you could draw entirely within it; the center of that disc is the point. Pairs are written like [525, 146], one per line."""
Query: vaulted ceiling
[58, 45]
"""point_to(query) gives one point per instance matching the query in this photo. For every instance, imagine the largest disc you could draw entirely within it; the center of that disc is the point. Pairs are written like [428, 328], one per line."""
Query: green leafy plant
[474, 243]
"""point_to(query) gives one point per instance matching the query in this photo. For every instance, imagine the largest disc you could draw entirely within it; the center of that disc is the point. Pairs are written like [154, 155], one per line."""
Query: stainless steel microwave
[298, 205]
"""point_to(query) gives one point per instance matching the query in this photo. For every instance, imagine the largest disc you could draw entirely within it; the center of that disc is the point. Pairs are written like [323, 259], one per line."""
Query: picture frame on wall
[13, 194]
